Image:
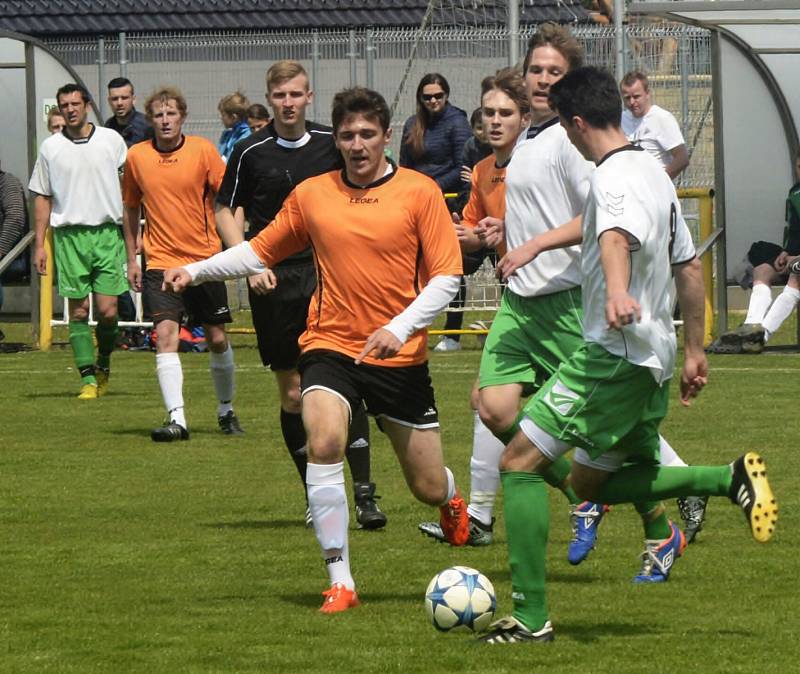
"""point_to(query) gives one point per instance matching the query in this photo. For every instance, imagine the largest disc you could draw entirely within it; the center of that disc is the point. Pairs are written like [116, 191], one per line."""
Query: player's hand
[514, 259]
[467, 239]
[176, 280]
[40, 260]
[263, 283]
[381, 344]
[466, 174]
[621, 310]
[694, 376]
[135, 276]
[491, 231]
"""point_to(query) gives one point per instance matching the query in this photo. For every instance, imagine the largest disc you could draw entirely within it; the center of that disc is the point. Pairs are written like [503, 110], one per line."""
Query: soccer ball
[460, 599]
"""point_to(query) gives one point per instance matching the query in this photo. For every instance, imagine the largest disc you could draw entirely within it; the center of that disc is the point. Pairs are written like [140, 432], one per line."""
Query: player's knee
[217, 341]
[325, 448]
[496, 418]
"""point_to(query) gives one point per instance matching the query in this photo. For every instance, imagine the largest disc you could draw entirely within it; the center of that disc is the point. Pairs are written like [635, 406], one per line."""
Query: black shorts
[400, 394]
[279, 317]
[763, 252]
[206, 304]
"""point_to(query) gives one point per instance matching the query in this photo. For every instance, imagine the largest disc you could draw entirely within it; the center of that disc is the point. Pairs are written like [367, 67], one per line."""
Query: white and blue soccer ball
[460, 599]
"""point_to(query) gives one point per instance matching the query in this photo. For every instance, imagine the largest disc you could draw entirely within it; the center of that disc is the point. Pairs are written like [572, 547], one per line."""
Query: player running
[175, 177]
[609, 397]
[261, 173]
[379, 233]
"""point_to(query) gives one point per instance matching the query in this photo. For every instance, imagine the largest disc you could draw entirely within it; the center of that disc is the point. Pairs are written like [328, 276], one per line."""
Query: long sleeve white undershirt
[235, 262]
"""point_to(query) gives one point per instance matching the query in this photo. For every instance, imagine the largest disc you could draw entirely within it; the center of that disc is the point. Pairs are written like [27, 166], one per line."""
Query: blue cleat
[585, 520]
[659, 556]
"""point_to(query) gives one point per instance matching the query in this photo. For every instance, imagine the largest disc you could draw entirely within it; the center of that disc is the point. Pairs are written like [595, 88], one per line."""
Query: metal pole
[101, 76]
[123, 55]
[352, 56]
[369, 52]
[314, 69]
[619, 39]
[683, 61]
[513, 33]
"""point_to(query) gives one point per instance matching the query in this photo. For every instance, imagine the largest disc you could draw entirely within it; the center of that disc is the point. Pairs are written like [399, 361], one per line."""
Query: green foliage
[120, 555]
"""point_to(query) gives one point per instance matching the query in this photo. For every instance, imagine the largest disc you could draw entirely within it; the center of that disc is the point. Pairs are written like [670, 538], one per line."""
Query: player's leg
[368, 515]
[454, 319]
[782, 307]
[80, 339]
[691, 508]
[108, 282]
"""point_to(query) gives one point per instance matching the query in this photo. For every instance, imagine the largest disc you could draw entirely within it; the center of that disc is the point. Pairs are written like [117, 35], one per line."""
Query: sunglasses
[433, 97]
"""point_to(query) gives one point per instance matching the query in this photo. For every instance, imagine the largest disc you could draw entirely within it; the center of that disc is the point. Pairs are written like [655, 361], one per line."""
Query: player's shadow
[590, 632]
[257, 524]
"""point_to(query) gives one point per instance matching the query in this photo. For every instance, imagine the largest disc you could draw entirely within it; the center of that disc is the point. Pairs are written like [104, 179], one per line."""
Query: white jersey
[547, 182]
[657, 132]
[631, 192]
[82, 177]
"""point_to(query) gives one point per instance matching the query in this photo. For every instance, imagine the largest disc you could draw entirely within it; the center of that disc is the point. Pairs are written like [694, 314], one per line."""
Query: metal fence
[206, 66]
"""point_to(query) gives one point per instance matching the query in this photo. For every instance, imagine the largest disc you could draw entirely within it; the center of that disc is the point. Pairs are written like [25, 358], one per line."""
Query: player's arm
[42, 205]
[621, 308]
[680, 160]
[473, 213]
[230, 230]
[691, 299]
[569, 234]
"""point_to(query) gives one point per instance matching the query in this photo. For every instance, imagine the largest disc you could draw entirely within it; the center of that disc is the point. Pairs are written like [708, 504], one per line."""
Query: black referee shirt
[264, 168]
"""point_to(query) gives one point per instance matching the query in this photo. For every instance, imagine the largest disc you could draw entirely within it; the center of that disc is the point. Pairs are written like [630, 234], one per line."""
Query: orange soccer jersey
[177, 189]
[373, 248]
[487, 196]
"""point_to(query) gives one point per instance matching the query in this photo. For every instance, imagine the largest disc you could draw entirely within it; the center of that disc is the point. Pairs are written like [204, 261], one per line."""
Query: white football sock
[451, 484]
[222, 369]
[328, 502]
[781, 309]
[484, 472]
[170, 379]
[669, 457]
[760, 299]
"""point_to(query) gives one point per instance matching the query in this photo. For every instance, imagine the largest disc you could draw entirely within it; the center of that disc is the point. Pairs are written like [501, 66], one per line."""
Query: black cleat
[511, 631]
[169, 433]
[750, 490]
[693, 514]
[229, 424]
[368, 514]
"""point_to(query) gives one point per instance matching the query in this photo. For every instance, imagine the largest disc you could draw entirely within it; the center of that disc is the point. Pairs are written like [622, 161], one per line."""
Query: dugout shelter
[756, 97]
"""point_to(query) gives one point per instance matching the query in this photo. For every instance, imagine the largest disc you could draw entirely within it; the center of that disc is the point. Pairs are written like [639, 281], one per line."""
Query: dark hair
[360, 100]
[511, 83]
[416, 135]
[476, 116]
[559, 38]
[118, 82]
[589, 93]
[635, 76]
[71, 88]
[257, 111]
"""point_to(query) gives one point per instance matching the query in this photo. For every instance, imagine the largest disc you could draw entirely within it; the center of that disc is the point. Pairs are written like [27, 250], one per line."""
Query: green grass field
[120, 555]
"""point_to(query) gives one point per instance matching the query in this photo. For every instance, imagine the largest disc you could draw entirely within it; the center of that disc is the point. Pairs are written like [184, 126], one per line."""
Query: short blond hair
[284, 70]
[235, 105]
[163, 95]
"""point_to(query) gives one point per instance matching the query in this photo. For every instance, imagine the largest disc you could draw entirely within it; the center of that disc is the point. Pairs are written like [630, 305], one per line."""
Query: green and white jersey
[547, 182]
[82, 177]
[631, 193]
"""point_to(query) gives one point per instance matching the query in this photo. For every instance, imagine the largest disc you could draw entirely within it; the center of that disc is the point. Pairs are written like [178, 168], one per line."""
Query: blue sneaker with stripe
[586, 517]
[659, 556]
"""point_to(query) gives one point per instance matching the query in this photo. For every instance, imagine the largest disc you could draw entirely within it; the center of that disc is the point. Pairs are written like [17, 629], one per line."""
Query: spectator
[13, 217]
[257, 117]
[233, 112]
[127, 121]
[769, 263]
[650, 126]
[55, 121]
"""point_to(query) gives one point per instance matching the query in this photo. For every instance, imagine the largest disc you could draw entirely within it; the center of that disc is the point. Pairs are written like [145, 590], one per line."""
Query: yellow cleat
[102, 381]
[88, 392]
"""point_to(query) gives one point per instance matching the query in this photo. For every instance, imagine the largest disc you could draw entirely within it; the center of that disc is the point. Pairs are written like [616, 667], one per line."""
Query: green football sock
[80, 338]
[525, 506]
[656, 527]
[555, 474]
[634, 484]
[106, 334]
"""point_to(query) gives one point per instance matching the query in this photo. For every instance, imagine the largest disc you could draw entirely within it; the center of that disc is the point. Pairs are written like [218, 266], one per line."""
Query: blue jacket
[230, 137]
[444, 147]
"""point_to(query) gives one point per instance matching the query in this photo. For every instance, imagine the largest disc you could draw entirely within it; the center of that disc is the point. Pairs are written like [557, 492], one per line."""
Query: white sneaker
[447, 344]
[480, 325]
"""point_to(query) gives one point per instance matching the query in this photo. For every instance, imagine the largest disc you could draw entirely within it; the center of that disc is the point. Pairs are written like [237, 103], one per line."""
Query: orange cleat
[339, 599]
[454, 520]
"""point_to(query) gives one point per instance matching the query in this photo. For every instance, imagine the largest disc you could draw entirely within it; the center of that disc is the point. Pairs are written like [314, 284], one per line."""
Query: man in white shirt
[76, 183]
[609, 397]
[650, 126]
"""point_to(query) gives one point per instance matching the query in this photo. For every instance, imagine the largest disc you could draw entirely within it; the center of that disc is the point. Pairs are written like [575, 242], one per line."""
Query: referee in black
[262, 170]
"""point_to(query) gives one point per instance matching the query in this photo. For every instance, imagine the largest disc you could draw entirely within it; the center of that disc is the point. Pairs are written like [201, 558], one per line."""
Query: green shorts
[602, 404]
[530, 337]
[90, 259]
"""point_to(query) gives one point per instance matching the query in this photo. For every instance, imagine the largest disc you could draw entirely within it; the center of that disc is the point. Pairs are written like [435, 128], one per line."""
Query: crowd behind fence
[207, 66]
